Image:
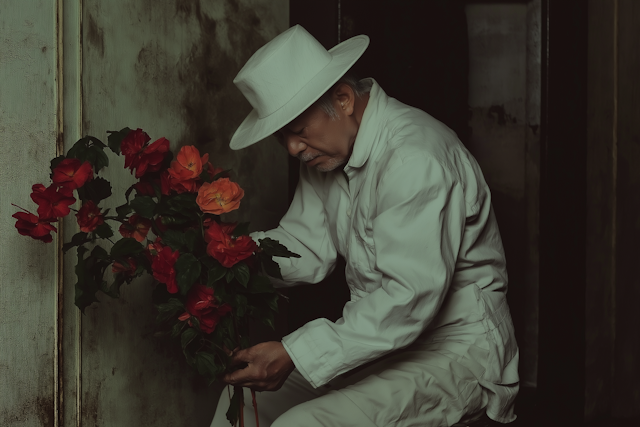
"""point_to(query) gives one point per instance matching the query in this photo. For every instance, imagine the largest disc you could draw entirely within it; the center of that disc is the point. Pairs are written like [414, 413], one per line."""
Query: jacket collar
[370, 128]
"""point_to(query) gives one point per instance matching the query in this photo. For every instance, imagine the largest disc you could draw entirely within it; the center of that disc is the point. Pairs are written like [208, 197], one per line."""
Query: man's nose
[294, 145]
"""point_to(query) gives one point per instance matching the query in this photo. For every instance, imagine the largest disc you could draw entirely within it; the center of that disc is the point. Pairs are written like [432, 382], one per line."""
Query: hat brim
[254, 129]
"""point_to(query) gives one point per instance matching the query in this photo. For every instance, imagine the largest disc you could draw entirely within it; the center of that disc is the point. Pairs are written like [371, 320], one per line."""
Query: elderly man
[427, 338]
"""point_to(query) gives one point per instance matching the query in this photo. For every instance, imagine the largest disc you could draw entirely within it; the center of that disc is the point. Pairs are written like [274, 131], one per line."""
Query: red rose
[132, 145]
[144, 188]
[140, 156]
[163, 268]
[153, 249]
[118, 267]
[138, 228]
[89, 217]
[203, 305]
[53, 202]
[226, 249]
[30, 225]
[72, 174]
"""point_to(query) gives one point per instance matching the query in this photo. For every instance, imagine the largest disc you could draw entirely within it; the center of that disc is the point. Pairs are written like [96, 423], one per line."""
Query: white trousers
[433, 383]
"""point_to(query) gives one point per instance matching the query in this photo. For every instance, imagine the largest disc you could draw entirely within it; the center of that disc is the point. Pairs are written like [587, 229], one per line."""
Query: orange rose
[188, 164]
[220, 196]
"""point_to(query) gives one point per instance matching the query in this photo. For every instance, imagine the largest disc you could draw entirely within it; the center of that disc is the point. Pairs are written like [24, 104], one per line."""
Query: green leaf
[233, 413]
[123, 210]
[177, 328]
[104, 231]
[143, 205]
[97, 157]
[184, 203]
[207, 366]
[216, 273]
[96, 189]
[241, 229]
[172, 220]
[270, 266]
[192, 238]
[83, 298]
[241, 273]
[128, 192]
[169, 309]
[100, 253]
[90, 149]
[86, 287]
[95, 142]
[187, 272]
[260, 284]
[195, 322]
[275, 248]
[204, 176]
[268, 320]
[78, 150]
[272, 302]
[175, 239]
[229, 276]
[240, 305]
[187, 336]
[77, 239]
[115, 139]
[126, 247]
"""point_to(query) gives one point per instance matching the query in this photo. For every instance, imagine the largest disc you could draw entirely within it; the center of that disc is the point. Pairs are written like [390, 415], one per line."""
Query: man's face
[319, 140]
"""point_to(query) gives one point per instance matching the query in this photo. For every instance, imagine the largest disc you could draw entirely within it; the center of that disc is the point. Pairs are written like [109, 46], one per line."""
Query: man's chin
[329, 165]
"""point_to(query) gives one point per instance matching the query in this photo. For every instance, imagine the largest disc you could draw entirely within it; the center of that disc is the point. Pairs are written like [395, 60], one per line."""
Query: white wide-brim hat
[286, 76]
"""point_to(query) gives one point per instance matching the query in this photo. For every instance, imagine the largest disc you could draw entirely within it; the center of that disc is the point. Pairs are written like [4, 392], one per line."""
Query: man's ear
[344, 99]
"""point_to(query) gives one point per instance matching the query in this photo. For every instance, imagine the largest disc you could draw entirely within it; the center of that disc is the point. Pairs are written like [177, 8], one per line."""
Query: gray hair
[359, 87]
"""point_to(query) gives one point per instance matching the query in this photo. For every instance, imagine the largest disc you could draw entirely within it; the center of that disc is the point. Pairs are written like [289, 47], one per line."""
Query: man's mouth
[308, 157]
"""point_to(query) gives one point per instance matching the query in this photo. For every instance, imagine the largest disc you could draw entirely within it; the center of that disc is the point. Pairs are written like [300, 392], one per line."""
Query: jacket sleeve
[303, 231]
[417, 231]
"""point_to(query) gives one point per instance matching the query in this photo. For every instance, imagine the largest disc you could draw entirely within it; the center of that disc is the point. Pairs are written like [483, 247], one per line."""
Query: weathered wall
[613, 180]
[102, 65]
[167, 67]
[504, 98]
[28, 282]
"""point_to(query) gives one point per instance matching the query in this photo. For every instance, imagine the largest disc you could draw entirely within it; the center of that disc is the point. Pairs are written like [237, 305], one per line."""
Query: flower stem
[21, 208]
[255, 406]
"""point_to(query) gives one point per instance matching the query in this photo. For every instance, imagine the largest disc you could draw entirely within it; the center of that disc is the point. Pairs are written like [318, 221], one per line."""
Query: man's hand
[268, 366]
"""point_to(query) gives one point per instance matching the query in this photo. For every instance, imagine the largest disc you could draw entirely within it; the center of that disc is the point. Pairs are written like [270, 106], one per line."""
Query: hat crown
[280, 69]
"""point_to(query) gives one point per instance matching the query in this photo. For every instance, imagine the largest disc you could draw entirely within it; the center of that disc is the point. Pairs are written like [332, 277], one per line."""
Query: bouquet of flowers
[213, 279]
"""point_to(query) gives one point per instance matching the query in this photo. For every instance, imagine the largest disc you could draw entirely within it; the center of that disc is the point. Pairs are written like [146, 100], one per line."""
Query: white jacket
[412, 216]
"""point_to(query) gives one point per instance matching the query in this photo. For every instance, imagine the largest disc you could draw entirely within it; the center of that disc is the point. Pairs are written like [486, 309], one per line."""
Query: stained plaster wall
[101, 65]
[504, 101]
[28, 282]
[166, 67]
